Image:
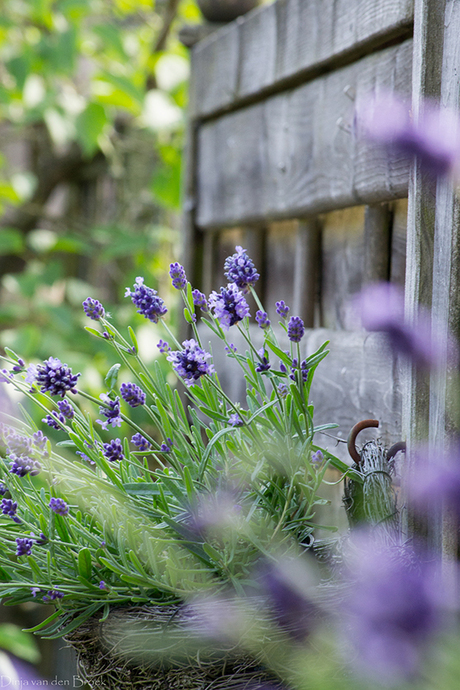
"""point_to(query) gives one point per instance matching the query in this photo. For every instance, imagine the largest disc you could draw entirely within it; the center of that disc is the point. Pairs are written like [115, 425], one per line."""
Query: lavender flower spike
[229, 306]
[296, 329]
[190, 363]
[147, 301]
[433, 136]
[140, 442]
[93, 309]
[282, 309]
[262, 319]
[56, 378]
[177, 273]
[24, 546]
[59, 506]
[199, 300]
[239, 269]
[132, 394]
[113, 451]
[111, 412]
[381, 306]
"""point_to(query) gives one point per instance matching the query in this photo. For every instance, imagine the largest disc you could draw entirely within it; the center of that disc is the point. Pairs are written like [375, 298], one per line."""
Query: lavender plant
[97, 522]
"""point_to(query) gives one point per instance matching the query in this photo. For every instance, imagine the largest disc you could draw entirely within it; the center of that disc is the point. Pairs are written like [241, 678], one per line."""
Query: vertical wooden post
[427, 64]
[426, 80]
[446, 280]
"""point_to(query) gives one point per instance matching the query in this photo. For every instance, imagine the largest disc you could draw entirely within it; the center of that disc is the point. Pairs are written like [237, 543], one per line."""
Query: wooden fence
[273, 164]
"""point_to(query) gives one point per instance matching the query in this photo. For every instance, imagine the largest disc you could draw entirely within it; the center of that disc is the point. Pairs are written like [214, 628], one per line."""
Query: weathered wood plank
[291, 39]
[398, 243]
[358, 380]
[427, 67]
[377, 239]
[342, 267]
[280, 253]
[307, 270]
[287, 156]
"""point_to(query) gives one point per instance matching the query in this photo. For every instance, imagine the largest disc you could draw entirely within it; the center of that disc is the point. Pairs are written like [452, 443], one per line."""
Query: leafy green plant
[93, 523]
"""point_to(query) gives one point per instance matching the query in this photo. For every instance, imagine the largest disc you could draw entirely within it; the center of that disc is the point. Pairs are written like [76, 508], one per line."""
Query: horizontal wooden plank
[358, 380]
[295, 154]
[290, 39]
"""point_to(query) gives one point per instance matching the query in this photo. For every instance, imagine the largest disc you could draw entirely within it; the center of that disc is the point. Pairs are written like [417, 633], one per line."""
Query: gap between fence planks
[289, 40]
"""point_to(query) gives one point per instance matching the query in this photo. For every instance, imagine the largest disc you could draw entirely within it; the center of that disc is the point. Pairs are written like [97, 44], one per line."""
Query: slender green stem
[171, 335]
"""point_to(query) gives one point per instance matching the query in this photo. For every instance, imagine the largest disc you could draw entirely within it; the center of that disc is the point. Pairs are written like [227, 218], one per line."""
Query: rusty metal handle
[396, 448]
[365, 424]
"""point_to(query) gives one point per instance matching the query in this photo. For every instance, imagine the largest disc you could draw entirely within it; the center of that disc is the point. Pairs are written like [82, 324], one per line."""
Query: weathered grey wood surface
[291, 40]
[358, 380]
[287, 157]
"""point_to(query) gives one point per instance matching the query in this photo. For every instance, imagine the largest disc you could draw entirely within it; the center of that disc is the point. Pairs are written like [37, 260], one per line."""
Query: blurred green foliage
[109, 78]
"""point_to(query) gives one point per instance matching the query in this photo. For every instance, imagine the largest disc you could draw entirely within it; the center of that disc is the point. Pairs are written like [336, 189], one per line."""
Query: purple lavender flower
[41, 540]
[262, 319]
[19, 366]
[163, 346]
[434, 137]
[282, 389]
[20, 453]
[113, 451]
[9, 507]
[132, 394]
[66, 409]
[3, 489]
[93, 309]
[23, 464]
[140, 442]
[59, 506]
[102, 585]
[24, 546]
[52, 595]
[303, 370]
[177, 273]
[264, 364]
[54, 420]
[216, 511]
[235, 420]
[167, 446]
[111, 411]
[34, 591]
[394, 606]
[229, 306]
[6, 376]
[191, 363]
[147, 301]
[282, 309]
[39, 440]
[381, 306]
[317, 457]
[239, 269]
[56, 378]
[286, 586]
[199, 300]
[296, 329]
[434, 481]
[230, 349]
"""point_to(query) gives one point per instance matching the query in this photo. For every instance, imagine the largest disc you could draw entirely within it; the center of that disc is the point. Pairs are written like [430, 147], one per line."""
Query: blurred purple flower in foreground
[381, 306]
[394, 607]
[434, 481]
[434, 138]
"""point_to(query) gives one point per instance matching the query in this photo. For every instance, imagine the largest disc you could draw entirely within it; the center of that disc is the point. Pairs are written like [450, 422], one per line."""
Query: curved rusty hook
[396, 448]
[365, 424]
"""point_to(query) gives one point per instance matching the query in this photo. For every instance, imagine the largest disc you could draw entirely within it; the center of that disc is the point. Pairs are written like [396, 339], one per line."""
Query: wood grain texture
[287, 156]
[398, 242]
[342, 267]
[358, 380]
[427, 68]
[289, 40]
[444, 413]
